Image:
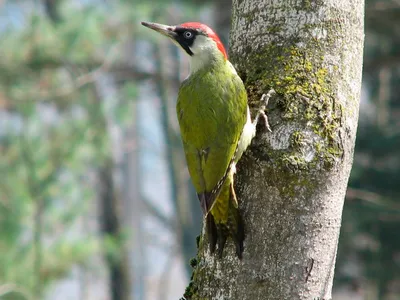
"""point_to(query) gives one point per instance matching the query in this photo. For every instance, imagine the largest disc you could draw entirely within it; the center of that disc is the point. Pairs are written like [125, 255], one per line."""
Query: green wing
[211, 111]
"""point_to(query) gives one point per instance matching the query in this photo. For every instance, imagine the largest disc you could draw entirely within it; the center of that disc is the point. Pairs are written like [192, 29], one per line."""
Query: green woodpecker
[215, 125]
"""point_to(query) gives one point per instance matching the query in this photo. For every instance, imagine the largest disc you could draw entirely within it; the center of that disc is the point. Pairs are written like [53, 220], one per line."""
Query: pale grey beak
[163, 29]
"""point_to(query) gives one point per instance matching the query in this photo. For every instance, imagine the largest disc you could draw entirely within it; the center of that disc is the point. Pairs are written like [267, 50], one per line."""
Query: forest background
[95, 198]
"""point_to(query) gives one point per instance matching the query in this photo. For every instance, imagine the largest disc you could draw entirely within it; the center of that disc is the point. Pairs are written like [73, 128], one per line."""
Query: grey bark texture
[291, 183]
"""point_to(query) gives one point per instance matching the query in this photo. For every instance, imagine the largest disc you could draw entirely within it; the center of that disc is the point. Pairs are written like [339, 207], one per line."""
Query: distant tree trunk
[188, 217]
[110, 217]
[110, 226]
[52, 10]
[291, 182]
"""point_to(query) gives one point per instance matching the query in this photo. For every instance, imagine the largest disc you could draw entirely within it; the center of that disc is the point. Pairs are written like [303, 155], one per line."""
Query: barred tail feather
[219, 229]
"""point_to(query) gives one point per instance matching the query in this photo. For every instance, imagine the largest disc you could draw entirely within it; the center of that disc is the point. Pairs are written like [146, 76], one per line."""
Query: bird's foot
[261, 111]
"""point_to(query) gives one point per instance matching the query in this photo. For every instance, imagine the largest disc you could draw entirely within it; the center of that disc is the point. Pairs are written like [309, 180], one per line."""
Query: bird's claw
[264, 116]
[261, 111]
[265, 97]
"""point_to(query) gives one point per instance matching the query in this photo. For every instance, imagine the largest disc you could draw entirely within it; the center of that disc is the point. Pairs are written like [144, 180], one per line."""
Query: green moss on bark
[297, 140]
[191, 291]
[304, 95]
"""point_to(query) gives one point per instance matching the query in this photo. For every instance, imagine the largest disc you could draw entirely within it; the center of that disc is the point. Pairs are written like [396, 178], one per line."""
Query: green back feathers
[211, 111]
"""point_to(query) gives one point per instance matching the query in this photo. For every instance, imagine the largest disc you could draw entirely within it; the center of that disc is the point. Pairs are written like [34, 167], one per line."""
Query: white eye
[187, 34]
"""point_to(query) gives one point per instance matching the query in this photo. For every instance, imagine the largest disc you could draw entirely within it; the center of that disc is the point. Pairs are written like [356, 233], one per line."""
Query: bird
[215, 127]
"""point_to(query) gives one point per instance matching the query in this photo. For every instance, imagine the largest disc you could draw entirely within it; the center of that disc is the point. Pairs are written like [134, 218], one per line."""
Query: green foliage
[53, 137]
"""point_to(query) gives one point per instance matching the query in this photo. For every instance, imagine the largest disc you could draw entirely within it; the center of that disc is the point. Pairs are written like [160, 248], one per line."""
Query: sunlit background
[95, 199]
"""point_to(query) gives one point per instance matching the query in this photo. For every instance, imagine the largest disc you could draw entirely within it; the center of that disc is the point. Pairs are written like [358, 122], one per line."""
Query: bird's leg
[231, 187]
[261, 110]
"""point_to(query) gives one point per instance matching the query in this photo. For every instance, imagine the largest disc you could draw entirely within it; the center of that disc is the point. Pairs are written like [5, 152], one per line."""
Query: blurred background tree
[369, 247]
[95, 199]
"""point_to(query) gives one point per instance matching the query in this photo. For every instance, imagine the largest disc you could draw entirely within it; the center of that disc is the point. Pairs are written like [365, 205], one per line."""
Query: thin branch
[381, 62]
[86, 78]
[121, 75]
[371, 197]
[41, 95]
[154, 240]
[380, 6]
[153, 210]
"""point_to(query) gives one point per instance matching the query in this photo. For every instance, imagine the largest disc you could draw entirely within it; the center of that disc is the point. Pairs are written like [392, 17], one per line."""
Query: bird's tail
[224, 220]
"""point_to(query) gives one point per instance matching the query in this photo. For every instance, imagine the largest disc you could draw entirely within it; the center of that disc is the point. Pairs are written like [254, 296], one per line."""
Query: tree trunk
[110, 226]
[291, 183]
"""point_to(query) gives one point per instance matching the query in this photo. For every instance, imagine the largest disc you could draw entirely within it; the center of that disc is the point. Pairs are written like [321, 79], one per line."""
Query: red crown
[210, 33]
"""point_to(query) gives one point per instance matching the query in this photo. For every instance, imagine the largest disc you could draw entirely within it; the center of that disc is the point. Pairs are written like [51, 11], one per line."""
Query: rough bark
[291, 182]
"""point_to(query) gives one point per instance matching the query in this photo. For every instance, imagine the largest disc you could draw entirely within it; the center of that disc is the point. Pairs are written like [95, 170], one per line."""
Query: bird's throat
[206, 60]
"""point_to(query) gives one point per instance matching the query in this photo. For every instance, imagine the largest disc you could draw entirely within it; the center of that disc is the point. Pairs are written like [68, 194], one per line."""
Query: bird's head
[198, 40]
